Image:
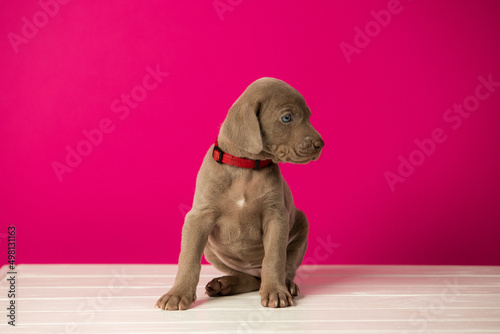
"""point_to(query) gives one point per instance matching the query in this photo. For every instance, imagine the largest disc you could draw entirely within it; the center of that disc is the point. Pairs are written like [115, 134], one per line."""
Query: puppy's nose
[318, 144]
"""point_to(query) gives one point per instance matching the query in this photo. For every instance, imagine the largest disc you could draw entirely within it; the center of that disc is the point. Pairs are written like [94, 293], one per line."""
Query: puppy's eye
[286, 118]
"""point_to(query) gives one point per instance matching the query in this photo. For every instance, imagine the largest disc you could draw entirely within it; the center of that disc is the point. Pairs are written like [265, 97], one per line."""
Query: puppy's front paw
[275, 297]
[176, 300]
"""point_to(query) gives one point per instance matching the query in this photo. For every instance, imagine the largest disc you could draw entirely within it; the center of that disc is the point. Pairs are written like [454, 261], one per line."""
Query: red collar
[228, 159]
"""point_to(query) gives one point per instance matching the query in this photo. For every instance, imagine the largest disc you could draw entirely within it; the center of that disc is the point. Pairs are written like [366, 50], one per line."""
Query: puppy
[243, 216]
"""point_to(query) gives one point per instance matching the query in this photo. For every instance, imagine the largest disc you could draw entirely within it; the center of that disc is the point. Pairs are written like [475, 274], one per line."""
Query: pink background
[125, 201]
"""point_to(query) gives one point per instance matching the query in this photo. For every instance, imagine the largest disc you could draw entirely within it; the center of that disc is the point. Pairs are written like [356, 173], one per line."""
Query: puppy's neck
[228, 147]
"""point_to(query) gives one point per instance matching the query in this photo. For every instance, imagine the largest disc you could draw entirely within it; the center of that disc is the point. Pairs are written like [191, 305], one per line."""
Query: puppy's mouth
[287, 154]
[303, 157]
[305, 160]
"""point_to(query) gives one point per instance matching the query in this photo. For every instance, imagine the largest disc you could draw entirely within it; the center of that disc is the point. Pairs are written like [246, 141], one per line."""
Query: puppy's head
[271, 119]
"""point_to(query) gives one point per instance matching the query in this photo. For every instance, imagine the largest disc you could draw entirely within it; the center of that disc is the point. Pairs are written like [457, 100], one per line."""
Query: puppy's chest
[245, 197]
[241, 209]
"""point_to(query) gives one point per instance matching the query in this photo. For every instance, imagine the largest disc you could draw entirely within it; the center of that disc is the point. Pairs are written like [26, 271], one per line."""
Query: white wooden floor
[334, 299]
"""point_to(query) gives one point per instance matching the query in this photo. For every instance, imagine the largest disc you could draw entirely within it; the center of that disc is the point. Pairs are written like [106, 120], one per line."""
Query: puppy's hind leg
[234, 283]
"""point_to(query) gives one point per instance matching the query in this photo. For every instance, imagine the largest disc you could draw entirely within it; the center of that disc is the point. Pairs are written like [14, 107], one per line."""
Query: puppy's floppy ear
[242, 127]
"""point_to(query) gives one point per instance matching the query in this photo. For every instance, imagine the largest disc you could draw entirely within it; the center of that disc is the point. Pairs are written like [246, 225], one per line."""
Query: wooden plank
[306, 270]
[267, 327]
[148, 281]
[330, 290]
[293, 314]
[248, 302]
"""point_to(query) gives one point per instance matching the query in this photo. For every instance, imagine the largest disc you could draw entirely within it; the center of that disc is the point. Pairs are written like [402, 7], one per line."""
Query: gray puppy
[243, 217]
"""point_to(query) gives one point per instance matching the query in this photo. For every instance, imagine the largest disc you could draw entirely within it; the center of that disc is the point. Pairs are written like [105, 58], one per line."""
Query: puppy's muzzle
[318, 145]
[311, 146]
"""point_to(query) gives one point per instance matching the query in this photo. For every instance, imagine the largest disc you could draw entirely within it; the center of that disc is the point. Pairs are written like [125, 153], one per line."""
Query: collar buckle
[221, 154]
[257, 165]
